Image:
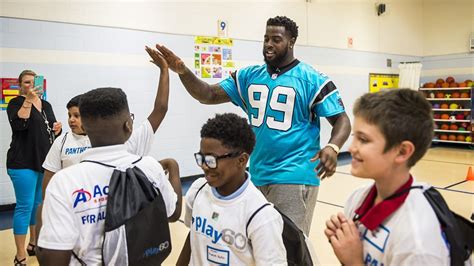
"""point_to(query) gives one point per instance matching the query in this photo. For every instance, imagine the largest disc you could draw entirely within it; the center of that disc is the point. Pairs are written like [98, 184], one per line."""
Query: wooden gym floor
[444, 168]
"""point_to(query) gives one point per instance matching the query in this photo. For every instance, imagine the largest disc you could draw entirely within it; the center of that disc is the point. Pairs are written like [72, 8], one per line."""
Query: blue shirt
[284, 111]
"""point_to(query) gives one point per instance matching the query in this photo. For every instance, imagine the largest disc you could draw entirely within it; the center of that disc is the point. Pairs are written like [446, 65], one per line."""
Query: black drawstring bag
[136, 224]
[458, 230]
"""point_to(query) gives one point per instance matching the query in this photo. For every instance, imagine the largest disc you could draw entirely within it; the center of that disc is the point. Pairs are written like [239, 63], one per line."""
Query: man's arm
[172, 167]
[341, 128]
[162, 94]
[198, 89]
[53, 257]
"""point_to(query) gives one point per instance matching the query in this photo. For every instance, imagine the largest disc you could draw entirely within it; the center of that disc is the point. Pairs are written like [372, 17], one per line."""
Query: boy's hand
[175, 63]
[157, 58]
[347, 245]
[327, 162]
[334, 223]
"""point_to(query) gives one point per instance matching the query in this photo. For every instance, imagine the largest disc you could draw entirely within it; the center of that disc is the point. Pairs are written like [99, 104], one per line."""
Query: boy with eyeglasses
[219, 206]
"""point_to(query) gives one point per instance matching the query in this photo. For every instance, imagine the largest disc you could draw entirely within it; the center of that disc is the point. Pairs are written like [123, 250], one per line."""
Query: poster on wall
[213, 57]
[378, 82]
[11, 89]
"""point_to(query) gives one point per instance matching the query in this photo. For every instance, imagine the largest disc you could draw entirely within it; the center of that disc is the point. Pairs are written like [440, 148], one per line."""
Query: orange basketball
[439, 95]
[462, 85]
[429, 85]
[460, 137]
[439, 81]
[456, 95]
[445, 116]
[464, 95]
[453, 85]
[444, 106]
[444, 127]
[443, 137]
[450, 80]
[445, 85]
[453, 127]
[452, 137]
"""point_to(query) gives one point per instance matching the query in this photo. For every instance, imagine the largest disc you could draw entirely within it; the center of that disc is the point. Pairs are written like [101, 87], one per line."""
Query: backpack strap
[253, 215]
[78, 259]
[107, 165]
[197, 192]
[62, 146]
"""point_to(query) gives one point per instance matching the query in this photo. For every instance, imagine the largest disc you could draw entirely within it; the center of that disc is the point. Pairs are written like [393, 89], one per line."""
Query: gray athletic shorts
[295, 201]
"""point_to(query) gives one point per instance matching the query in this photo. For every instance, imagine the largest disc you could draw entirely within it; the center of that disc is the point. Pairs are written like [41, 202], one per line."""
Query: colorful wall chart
[213, 57]
[11, 89]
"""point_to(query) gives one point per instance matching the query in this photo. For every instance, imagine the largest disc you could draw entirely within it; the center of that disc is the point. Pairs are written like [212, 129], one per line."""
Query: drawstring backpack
[136, 224]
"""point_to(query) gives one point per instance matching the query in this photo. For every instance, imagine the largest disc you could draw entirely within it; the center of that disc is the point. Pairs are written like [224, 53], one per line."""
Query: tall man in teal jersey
[284, 100]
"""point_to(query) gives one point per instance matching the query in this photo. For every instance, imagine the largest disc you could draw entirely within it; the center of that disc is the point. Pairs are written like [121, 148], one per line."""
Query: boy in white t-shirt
[66, 149]
[389, 222]
[219, 206]
[76, 199]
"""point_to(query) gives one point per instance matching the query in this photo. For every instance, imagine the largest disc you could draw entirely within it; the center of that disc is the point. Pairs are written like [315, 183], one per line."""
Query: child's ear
[243, 159]
[405, 151]
[128, 126]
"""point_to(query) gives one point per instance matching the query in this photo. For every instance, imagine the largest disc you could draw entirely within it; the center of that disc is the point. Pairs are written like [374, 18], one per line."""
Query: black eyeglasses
[211, 160]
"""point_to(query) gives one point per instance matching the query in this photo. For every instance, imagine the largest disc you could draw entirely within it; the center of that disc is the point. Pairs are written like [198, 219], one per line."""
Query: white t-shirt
[218, 227]
[410, 236]
[64, 153]
[76, 198]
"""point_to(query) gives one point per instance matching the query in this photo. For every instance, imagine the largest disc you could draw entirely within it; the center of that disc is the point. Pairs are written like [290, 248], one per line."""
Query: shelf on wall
[444, 89]
[448, 99]
[452, 110]
[451, 141]
[450, 120]
[452, 131]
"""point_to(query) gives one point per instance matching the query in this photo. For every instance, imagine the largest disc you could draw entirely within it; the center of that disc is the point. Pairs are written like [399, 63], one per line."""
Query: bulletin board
[379, 81]
[11, 89]
[213, 57]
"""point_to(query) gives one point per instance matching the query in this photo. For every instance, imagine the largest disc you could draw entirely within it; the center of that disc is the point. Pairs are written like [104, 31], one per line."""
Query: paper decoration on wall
[11, 89]
[378, 82]
[213, 57]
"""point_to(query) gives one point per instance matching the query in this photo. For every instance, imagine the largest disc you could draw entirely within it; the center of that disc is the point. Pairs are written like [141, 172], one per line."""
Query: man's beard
[277, 60]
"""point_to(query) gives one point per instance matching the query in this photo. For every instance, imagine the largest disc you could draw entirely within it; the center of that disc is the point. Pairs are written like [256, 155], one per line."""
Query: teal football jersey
[284, 111]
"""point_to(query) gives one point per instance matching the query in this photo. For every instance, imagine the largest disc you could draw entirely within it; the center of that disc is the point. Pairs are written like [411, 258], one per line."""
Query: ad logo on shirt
[204, 227]
[77, 150]
[82, 196]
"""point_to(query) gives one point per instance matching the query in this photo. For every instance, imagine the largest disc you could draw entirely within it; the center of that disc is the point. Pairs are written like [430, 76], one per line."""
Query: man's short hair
[103, 103]
[400, 114]
[74, 102]
[232, 130]
[290, 25]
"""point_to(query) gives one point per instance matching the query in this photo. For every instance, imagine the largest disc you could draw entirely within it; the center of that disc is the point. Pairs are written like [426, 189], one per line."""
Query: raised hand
[33, 94]
[157, 58]
[175, 63]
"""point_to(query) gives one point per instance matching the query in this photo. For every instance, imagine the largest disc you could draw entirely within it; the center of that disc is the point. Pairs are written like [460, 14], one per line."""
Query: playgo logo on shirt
[99, 194]
[202, 226]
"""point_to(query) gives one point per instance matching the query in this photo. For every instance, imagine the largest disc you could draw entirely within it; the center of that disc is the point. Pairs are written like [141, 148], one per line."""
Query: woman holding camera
[34, 128]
